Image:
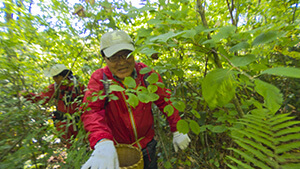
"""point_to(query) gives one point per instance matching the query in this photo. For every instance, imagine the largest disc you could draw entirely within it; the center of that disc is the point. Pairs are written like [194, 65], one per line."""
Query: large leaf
[195, 127]
[239, 46]
[224, 33]
[132, 100]
[243, 60]
[129, 82]
[265, 38]
[182, 126]
[218, 87]
[165, 37]
[272, 96]
[116, 88]
[283, 71]
[145, 70]
[153, 78]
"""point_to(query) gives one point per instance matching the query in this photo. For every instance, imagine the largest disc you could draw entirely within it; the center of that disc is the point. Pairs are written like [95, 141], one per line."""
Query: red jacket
[122, 122]
[48, 95]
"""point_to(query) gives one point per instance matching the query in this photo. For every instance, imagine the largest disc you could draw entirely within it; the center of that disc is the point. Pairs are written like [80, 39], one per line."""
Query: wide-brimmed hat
[115, 41]
[55, 70]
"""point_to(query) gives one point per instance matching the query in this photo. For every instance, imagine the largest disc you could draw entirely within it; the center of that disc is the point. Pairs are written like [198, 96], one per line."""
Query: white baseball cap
[115, 41]
[55, 70]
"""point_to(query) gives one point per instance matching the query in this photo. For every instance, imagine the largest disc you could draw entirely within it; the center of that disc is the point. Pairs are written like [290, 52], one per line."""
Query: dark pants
[149, 154]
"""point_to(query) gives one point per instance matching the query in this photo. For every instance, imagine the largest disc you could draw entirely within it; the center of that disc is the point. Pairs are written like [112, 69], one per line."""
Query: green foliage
[221, 60]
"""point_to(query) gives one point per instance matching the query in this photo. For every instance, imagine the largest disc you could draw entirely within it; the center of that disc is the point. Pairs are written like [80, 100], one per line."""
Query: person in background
[116, 121]
[66, 94]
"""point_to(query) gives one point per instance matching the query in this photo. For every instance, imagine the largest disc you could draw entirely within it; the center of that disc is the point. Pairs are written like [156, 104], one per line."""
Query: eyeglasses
[116, 58]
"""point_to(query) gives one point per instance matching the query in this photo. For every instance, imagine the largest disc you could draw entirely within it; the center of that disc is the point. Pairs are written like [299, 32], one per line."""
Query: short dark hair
[102, 54]
[65, 73]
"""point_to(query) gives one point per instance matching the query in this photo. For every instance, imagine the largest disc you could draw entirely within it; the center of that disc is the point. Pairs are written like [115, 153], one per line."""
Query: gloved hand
[180, 140]
[104, 156]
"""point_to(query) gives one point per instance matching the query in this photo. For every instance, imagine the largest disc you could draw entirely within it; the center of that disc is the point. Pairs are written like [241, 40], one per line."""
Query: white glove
[180, 140]
[104, 157]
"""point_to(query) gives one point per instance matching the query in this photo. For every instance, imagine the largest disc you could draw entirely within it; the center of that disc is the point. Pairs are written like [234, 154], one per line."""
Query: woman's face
[58, 79]
[120, 65]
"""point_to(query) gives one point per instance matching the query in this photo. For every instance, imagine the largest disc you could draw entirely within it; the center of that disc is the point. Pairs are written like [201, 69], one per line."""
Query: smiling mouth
[123, 69]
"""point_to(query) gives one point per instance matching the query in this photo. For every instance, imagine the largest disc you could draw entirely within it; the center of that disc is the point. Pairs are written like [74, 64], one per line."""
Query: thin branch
[242, 72]
[230, 11]
[201, 10]
[294, 13]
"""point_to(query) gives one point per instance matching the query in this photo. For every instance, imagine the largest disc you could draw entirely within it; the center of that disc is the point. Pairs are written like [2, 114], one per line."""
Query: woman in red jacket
[66, 94]
[110, 121]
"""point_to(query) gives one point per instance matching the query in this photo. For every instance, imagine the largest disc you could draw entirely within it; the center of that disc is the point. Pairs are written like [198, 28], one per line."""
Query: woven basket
[130, 157]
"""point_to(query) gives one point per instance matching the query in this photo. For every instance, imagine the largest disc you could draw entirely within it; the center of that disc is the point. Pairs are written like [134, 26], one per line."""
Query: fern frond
[287, 131]
[291, 157]
[256, 145]
[291, 166]
[256, 153]
[256, 119]
[287, 138]
[240, 162]
[261, 134]
[250, 159]
[257, 138]
[280, 118]
[284, 125]
[267, 141]
[256, 126]
[287, 147]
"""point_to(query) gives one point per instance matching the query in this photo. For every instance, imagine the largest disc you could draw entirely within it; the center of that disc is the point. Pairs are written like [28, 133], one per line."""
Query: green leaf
[224, 33]
[272, 96]
[129, 82]
[182, 126]
[148, 51]
[165, 37]
[196, 114]
[283, 71]
[132, 100]
[189, 34]
[160, 84]
[169, 110]
[178, 72]
[179, 105]
[218, 129]
[116, 88]
[154, 21]
[194, 127]
[145, 70]
[152, 88]
[94, 98]
[218, 87]
[265, 38]
[239, 46]
[153, 97]
[168, 165]
[143, 97]
[113, 97]
[243, 60]
[153, 78]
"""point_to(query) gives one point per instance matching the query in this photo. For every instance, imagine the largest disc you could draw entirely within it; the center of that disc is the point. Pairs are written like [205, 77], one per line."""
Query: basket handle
[133, 142]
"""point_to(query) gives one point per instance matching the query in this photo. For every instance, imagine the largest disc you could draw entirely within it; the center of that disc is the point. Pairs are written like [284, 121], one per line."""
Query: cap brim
[116, 48]
[47, 72]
